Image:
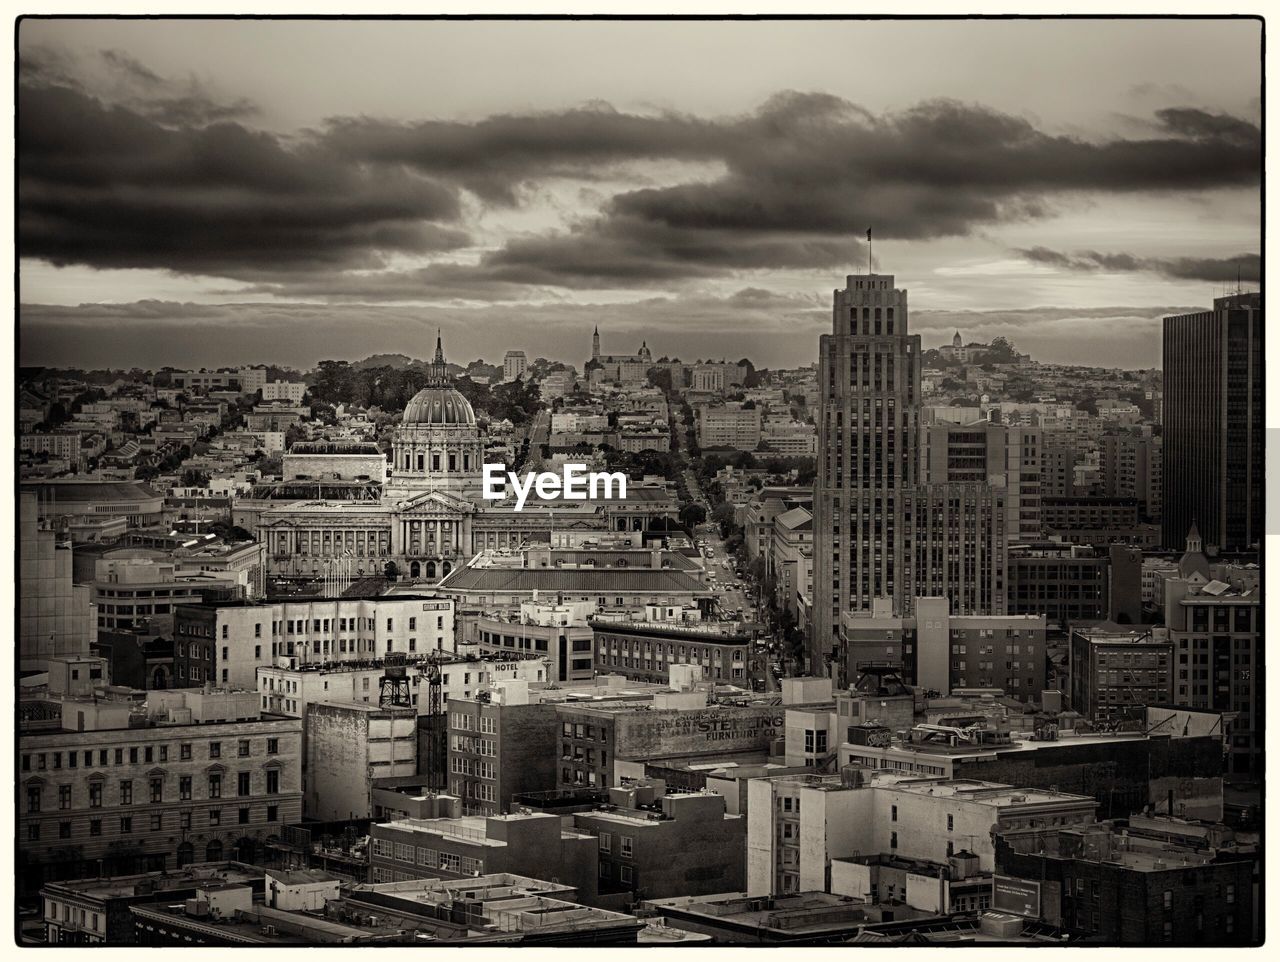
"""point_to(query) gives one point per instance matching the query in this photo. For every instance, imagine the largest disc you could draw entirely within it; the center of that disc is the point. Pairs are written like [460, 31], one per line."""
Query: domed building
[430, 517]
[437, 446]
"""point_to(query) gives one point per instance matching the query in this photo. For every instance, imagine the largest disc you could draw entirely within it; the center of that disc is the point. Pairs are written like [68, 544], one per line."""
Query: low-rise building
[1123, 772]
[534, 844]
[503, 908]
[797, 824]
[112, 785]
[1117, 887]
[939, 651]
[95, 911]
[1116, 671]
[349, 747]
[233, 639]
[655, 846]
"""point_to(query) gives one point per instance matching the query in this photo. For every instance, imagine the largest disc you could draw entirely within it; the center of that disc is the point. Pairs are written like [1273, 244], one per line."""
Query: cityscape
[638, 514]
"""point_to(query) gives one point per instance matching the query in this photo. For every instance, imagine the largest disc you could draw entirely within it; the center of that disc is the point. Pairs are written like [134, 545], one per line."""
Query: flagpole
[868, 250]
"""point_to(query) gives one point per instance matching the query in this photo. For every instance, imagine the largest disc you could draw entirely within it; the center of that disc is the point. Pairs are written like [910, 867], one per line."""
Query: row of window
[155, 790]
[427, 857]
[154, 822]
[145, 754]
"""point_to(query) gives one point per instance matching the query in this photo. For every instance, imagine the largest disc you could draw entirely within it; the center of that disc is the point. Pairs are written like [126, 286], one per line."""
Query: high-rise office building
[868, 455]
[881, 531]
[1213, 423]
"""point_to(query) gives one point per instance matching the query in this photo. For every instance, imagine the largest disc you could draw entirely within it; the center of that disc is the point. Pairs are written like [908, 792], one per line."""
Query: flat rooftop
[808, 913]
[200, 874]
[995, 794]
[1017, 745]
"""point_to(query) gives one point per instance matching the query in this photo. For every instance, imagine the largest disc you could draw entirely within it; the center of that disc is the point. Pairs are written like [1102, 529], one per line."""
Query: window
[242, 783]
[893, 839]
[64, 797]
[951, 823]
[126, 793]
[157, 821]
[64, 829]
[95, 826]
[215, 816]
[215, 785]
[243, 748]
[184, 752]
[273, 812]
[273, 782]
[95, 794]
[244, 816]
[157, 790]
[1168, 900]
[184, 788]
[627, 841]
[126, 824]
[893, 813]
[606, 842]
[185, 821]
[33, 799]
[215, 749]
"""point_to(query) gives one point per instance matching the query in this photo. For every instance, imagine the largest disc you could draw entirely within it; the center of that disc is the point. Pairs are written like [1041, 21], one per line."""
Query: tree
[723, 516]
[391, 571]
[1001, 351]
[692, 515]
[194, 478]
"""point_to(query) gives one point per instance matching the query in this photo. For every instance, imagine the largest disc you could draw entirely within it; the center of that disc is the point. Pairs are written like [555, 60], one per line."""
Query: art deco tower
[868, 454]
[881, 531]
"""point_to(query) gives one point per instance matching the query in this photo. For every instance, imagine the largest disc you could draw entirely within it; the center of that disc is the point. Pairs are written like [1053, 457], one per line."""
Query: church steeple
[595, 343]
[1193, 561]
[438, 374]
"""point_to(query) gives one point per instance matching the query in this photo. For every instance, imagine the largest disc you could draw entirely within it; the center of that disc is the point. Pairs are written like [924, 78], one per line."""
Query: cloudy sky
[210, 193]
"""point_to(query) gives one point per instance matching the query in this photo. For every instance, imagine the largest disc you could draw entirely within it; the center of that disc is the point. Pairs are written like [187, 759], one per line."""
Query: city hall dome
[438, 403]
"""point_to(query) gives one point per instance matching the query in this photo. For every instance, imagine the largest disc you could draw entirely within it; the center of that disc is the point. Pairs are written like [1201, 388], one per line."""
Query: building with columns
[429, 517]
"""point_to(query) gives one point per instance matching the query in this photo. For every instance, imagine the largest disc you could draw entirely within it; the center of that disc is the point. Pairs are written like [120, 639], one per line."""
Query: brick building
[655, 846]
[1114, 887]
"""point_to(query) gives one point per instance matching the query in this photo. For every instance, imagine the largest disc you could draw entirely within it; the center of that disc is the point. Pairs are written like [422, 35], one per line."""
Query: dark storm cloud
[108, 187]
[803, 178]
[1246, 267]
[157, 173]
[495, 156]
[941, 168]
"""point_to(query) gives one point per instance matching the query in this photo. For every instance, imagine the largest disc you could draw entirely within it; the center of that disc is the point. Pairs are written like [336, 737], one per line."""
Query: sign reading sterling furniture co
[689, 732]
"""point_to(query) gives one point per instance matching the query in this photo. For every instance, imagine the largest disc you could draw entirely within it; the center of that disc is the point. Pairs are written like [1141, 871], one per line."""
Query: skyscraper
[879, 530]
[1213, 423]
[868, 454]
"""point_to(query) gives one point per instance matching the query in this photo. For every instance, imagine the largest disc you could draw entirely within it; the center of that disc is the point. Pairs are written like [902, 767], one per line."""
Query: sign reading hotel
[689, 732]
